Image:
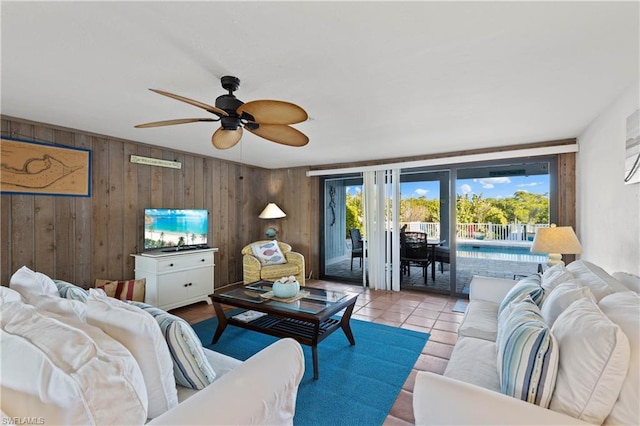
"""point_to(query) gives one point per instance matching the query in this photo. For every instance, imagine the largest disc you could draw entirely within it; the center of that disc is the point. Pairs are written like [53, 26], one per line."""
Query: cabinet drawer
[185, 262]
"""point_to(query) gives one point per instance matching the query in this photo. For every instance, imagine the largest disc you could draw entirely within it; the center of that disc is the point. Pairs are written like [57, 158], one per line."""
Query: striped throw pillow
[191, 367]
[124, 290]
[531, 285]
[528, 356]
[70, 291]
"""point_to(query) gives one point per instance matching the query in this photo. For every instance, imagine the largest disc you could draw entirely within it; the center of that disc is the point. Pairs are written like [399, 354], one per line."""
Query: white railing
[481, 231]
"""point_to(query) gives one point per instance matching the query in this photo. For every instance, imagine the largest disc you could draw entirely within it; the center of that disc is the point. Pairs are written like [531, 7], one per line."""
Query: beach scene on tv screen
[174, 228]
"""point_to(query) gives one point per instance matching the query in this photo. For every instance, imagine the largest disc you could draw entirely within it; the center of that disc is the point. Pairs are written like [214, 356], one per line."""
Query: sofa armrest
[298, 260]
[439, 400]
[250, 269]
[261, 390]
[489, 288]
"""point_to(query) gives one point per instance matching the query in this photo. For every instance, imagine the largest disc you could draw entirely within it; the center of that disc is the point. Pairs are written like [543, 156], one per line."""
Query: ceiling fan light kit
[268, 119]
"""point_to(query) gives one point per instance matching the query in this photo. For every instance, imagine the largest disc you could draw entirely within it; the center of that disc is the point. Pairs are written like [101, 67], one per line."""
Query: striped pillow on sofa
[191, 367]
[528, 355]
[125, 289]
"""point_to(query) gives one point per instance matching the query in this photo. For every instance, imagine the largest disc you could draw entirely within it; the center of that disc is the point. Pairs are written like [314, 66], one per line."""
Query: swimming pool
[514, 254]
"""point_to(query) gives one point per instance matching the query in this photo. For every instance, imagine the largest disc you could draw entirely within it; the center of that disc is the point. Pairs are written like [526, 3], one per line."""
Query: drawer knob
[202, 260]
[171, 264]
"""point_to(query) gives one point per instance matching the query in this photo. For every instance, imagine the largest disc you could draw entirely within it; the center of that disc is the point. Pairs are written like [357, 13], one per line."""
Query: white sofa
[598, 363]
[62, 365]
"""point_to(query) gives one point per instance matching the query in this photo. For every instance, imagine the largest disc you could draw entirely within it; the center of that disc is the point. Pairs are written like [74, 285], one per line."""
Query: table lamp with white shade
[272, 211]
[556, 241]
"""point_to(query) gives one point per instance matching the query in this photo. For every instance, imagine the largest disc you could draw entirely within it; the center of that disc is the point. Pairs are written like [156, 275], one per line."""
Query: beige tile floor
[406, 309]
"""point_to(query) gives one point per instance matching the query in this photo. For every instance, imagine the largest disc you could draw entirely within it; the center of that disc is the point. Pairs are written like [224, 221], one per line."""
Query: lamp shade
[556, 241]
[272, 211]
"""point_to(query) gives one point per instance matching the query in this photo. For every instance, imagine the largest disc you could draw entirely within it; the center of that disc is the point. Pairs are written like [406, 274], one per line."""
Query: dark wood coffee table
[307, 320]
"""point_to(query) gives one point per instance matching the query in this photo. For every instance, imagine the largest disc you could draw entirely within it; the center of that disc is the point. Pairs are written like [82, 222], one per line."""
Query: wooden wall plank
[115, 208]
[84, 246]
[198, 183]
[131, 214]
[100, 226]
[6, 220]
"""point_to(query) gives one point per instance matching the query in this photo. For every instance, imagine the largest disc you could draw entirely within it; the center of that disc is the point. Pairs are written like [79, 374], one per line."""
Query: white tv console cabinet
[176, 279]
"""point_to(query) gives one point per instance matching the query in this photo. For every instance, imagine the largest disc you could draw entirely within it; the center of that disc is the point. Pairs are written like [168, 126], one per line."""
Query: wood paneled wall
[80, 239]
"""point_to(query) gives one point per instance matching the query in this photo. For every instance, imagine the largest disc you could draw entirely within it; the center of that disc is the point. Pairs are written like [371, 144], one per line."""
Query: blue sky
[500, 187]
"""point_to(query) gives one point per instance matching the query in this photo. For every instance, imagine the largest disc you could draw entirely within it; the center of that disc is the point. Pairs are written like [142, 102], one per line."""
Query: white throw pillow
[140, 334]
[60, 306]
[594, 357]
[27, 282]
[268, 253]
[70, 371]
[630, 281]
[557, 274]
[623, 309]
[8, 295]
[562, 296]
[596, 278]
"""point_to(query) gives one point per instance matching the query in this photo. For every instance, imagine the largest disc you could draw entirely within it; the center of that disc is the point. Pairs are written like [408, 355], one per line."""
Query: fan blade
[225, 139]
[280, 133]
[198, 104]
[172, 122]
[273, 112]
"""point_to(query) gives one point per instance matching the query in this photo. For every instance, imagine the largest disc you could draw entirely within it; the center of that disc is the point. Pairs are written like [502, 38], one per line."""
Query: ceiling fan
[268, 119]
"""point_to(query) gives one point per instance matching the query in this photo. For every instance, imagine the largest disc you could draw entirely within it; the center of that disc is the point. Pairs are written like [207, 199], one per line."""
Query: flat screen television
[175, 229]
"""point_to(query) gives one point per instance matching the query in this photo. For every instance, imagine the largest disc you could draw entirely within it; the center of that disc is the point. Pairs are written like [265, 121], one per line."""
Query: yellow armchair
[253, 270]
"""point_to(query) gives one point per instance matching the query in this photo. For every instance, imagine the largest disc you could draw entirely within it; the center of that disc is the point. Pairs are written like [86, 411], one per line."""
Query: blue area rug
[358, 384]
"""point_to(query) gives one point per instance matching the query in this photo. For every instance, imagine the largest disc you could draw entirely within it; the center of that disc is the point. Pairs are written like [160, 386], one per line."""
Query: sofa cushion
[623, 309]
[630, 281]
[553, 276]
[27, 282]
[8, 295]
[76, 373]
[140, 334]
[594, 357]
[530, 285]
[70, 291]
[480, 320]
[596, 278]
[561, 298]
[527, 356]
[474, 361]
[59, 305]
[124, 289]
[268, 253]
[191, 368]
[275, 272]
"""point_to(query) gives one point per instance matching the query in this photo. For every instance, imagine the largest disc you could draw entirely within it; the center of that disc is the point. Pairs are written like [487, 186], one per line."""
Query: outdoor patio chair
[357, 249]
[442, 255]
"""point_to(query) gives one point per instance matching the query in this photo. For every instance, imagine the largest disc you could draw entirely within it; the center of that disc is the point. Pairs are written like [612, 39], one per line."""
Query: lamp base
[554, 259]
[271, 232]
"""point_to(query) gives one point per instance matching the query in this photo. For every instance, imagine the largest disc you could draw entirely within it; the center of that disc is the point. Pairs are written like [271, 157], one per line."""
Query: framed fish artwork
[44, 169]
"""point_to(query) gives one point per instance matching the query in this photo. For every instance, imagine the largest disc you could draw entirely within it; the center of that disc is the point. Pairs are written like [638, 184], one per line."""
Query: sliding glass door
[424, 209]
[341, 257]
[499, 208]
[478, 219]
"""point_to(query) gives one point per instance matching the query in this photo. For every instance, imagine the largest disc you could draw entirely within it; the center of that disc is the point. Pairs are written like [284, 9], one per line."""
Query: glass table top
[313, 300]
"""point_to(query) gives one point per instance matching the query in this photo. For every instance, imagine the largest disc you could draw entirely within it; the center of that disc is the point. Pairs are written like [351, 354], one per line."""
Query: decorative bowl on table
[286, 287]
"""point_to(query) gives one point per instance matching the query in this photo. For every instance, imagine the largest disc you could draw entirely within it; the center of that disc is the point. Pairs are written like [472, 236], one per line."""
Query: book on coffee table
[248, 316]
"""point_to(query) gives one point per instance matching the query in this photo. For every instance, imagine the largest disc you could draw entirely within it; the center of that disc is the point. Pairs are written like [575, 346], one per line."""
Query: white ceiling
[378, 79]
